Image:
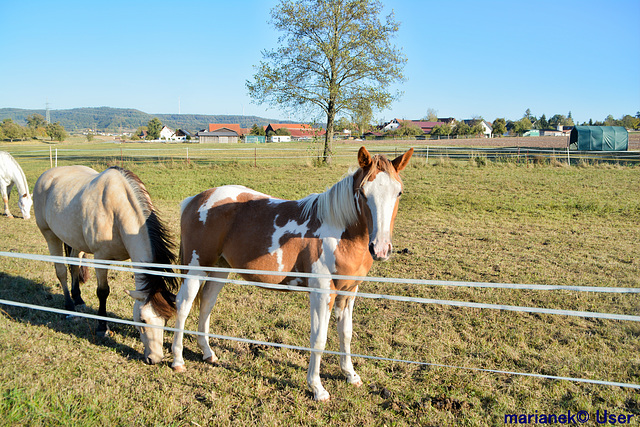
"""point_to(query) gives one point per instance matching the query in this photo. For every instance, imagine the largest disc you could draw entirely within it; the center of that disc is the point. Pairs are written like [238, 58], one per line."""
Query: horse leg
[103, 293]
[320, 315]
[55, 249]
[75, 279]
[208, 299]
[5, 199]
[344, 312]
[184, 300]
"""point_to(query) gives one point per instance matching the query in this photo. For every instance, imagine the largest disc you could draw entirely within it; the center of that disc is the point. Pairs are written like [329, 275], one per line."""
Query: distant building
[486, 126]
[231, 126]
[426, 127]
[167, 134]
[183, 135]
[219, 136]
[298, 131]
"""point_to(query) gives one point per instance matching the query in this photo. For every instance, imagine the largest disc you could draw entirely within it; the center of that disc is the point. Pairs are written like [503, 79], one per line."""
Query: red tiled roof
[231, 126]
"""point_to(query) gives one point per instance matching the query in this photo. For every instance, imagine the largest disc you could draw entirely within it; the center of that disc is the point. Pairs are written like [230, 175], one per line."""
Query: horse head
[378, 188]
[24, 203]
[152, 336]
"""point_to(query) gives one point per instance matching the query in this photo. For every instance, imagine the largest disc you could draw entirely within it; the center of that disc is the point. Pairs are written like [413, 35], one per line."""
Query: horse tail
[83, 270]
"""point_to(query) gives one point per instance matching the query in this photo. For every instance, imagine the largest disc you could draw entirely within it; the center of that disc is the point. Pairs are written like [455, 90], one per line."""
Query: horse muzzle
[152, 359]
[380, 251]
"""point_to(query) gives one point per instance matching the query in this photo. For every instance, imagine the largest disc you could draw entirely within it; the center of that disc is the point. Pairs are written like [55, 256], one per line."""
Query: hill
[107, 119]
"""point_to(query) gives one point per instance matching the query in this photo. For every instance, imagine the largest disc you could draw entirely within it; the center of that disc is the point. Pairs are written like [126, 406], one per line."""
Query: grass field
[467, 221]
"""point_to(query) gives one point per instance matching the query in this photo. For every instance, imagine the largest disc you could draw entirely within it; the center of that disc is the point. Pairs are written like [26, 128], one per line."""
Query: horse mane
[161, 288]
[336, 205]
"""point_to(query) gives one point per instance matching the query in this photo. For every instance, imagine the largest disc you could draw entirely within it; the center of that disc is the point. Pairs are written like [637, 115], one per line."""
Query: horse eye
[400, 194]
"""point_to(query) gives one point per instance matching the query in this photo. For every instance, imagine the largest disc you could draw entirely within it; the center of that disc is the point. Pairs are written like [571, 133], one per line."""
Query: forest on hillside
[107, 119]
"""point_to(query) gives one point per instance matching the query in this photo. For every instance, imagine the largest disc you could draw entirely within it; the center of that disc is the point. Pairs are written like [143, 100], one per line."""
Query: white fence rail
[147, 268]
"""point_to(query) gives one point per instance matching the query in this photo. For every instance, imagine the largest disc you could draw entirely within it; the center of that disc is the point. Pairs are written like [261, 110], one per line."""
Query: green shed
[599, 138]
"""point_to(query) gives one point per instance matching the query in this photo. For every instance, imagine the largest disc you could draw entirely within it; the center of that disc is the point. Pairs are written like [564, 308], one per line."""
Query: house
[280, 138]
[230, 126]
[298, 131]
[486, 126]
[183, 135]
[551, 132]
[222, 135]
[426, 127]
[167, 134]
[393, 124]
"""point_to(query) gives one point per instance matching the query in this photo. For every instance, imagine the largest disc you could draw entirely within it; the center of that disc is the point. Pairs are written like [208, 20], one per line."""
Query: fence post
[50, 157]
[56, 157]
[427, 154]
[568, 158]
[188, 162]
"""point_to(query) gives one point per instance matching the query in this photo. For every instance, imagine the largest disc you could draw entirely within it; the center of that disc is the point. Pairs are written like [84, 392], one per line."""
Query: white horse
[11, 174]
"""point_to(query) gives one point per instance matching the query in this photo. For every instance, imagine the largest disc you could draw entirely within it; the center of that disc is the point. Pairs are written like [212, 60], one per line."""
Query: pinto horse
[340, 231]
[110, 215]
[11, 174]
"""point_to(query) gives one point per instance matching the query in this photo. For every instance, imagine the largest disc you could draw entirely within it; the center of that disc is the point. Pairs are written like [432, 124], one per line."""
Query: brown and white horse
[110, 215]
[11, 174]
[340, 231]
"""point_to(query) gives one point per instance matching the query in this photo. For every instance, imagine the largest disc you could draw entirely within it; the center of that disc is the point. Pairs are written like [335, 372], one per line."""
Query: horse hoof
[104, 333]
[179, 369]
[211, 360]
[324, 397]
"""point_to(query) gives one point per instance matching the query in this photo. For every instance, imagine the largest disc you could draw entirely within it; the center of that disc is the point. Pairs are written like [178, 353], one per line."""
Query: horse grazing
[110, 215]
[11, 174]
[340, 231]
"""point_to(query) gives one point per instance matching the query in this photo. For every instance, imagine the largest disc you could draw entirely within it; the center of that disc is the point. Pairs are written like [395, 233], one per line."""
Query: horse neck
[358, 231]
[19, 179]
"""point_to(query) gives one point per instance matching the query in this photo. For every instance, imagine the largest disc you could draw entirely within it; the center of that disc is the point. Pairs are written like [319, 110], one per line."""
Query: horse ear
[401, 162]
[364, 158]
[137, 295]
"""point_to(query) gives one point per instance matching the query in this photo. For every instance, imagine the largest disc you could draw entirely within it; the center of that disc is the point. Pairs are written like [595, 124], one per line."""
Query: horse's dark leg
[55, 249]
[76, 278]
[103, 293]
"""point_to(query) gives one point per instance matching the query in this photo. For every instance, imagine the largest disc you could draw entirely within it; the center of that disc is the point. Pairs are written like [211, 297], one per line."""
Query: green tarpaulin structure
[599, 138]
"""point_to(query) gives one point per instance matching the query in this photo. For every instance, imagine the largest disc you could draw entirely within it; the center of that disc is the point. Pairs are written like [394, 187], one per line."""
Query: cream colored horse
[11, 174]
[110, 215]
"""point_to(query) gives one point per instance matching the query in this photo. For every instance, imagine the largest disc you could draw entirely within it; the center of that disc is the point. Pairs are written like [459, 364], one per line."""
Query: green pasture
[458, 221]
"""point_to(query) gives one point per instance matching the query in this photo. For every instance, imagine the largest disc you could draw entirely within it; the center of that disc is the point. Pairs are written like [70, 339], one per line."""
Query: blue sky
[465, 58]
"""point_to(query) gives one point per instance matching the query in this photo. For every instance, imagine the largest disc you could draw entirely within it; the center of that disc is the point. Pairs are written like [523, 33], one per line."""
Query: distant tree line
[37, 127]
[107, 119]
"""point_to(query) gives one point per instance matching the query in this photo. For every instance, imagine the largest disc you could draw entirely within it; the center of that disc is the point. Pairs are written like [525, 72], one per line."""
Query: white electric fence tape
[111, 265]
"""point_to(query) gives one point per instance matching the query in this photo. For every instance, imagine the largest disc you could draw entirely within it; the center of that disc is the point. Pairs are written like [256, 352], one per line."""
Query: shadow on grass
[21, 290]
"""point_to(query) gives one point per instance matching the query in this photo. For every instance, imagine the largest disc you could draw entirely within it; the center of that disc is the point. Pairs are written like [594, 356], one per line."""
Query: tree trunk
[328, 137]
